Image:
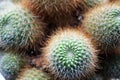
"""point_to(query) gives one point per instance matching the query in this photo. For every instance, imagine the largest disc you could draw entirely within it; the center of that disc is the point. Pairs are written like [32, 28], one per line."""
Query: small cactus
[70, 55]
[19, 29]
[103, 23]
[33, 74]
[10, 65]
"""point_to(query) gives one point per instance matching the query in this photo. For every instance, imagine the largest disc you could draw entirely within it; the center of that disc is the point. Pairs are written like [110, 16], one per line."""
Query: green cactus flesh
[103, 23]
[10, 65]
[71, 59]
[18, 28]
[33, 74]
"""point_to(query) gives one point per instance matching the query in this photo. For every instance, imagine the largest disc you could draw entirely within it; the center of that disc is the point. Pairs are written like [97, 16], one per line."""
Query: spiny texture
[70, 55]
[10, 65]
[33, 74]
[54, 11]
[103, 23]
[92, 3]
[111, 66]
[19, 29]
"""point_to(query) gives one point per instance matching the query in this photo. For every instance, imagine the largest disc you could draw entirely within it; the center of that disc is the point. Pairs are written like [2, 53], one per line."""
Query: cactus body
[19, 29]
[53, 11]
[10, 65]
[104, 25]
[70, 55]
[32, 74]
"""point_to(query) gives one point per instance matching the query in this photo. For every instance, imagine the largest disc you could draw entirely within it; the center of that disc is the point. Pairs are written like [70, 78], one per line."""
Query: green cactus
[103, 23]
[111, 66]
[10, 65]
[70, 55]
[19, 29]
[33, 74]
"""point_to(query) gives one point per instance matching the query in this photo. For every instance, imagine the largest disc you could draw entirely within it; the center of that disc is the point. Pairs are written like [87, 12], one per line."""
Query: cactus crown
[70, 55]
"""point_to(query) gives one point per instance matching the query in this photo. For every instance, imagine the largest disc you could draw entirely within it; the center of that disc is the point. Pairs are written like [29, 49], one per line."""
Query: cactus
[104, 25]
[19, 29]
[111, 66]
[70, 55]
[10, 65]
[53, 11]
[33, 74]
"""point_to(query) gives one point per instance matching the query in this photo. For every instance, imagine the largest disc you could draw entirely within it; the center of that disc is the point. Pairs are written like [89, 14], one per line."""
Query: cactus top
[70, 54]
[103, 23]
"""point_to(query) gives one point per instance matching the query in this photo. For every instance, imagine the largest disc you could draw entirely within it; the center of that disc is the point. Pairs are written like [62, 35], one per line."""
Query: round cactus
[10, 65]
[70, 55]
[33, 74]
[19, 29]
[53, 11]
[111, 66]
[104, 25]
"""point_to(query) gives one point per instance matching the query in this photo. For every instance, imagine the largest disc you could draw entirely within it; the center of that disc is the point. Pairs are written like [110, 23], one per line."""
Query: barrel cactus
[103, 23]
[70, 55]
[19, 29]
[32, 74]
[10, 65]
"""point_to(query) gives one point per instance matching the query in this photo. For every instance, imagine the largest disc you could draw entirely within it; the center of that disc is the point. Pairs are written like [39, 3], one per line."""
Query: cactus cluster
[40, 41]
